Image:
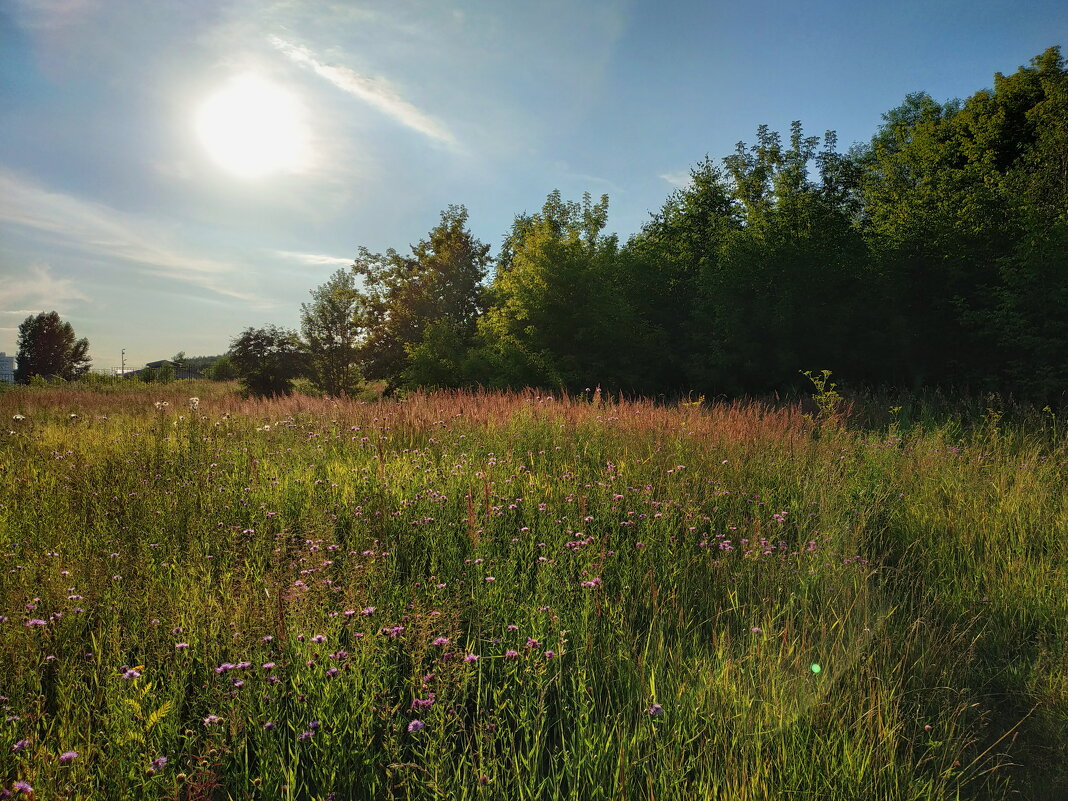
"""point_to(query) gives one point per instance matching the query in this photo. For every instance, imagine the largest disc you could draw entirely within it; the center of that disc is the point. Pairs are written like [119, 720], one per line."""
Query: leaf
[158, 715]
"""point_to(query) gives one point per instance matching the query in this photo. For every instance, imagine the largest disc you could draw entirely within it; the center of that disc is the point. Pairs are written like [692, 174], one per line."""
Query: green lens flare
[816, 668]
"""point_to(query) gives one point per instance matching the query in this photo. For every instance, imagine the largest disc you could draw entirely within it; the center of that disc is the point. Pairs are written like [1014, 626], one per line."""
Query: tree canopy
[48, 347]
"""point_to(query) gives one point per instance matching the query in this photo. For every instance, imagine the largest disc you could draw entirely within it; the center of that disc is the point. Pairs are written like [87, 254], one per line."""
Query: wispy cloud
[106, 233]
[314, 259]
[678, 178]
[375, 91]
[35, 290]
[51, 14]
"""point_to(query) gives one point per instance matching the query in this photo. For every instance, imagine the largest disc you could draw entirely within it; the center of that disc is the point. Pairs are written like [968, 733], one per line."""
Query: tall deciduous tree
[48, 347]
[267, 360]
[559, 315]
[332, 326]
[438, 287]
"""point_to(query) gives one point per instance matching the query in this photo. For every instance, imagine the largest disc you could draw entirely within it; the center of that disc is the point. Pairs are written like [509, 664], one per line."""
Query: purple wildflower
[67, 757]
[157, 764]
[441, 641]
[21, 745]
[210, 719]
[510, 654]
[471, 658]
[22, 787]
[416, 725]
[131, 674]
[655, 711]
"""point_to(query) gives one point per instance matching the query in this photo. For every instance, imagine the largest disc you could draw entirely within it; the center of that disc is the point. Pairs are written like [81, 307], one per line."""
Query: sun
[252, 128]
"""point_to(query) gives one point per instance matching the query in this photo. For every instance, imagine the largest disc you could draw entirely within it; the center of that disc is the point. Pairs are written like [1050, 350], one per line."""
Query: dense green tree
[439, 285]
[661, 269]
[559, 315]
[332, 327]
[47, 347]
[267, 360]
[957, 201]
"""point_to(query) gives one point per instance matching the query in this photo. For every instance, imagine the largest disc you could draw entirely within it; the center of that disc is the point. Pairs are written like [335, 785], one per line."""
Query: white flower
[194, 404]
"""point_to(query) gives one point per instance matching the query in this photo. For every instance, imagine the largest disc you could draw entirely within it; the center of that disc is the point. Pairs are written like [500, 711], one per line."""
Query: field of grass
[494, 596]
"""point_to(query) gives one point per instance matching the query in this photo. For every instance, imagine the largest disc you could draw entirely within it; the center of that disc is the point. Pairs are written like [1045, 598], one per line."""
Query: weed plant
[520, 596]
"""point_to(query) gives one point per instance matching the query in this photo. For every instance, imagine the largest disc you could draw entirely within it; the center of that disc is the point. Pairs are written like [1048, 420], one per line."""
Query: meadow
[525, 596]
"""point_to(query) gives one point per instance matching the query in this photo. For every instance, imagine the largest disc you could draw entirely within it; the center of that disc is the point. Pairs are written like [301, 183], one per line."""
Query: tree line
[936, 254]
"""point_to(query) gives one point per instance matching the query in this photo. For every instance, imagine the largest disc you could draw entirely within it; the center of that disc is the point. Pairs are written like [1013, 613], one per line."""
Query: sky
[174, 172]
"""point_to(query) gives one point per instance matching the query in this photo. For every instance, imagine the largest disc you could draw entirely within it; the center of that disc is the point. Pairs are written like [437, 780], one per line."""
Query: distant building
[7, 368]
[179, 370]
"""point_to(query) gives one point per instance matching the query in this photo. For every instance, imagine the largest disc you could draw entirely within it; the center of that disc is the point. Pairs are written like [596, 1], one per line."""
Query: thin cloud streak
[372, 90]
[677, 179]
[103, 232]
[39, 289]
[315, 259]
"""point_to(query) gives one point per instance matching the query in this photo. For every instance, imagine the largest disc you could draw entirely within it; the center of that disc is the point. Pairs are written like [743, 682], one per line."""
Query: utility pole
[122, 370]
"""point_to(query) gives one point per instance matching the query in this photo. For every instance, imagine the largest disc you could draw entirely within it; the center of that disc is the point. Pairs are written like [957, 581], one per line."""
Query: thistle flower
[67, 757]
[655, 711]
[157, 764]
[416, 725]
[441, 641]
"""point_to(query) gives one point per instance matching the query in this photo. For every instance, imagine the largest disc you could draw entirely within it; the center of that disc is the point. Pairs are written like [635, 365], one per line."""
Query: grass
[259, 599]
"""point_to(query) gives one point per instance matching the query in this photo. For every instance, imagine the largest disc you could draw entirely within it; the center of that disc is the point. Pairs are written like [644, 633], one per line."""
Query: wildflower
[441, 641]
[67, 757]
[268, 725]
[655, 711]
[36, 622]
[18, 418]
[306, 735]
[471, 658]
[157, 764]
[268, 665]
[757, 630]
[22, 787]
[416, 725]
[210, 719]
[194, 404]
[181, 646]
[490, 578]
[131, 674]
[550, 654]
[594, 582]
[318, 638]
[368, 611]
[513, 627]
[21, 745]
[510, 654]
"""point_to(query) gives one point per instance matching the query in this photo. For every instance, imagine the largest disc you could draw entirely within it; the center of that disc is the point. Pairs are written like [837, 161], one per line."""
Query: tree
[47, 347]
[559, 316]
[332, 326]
[267, 360]
[440, 283]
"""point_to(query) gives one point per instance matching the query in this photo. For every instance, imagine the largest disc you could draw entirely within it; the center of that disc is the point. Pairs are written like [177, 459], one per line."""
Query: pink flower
[416, 725]
[67, 757]
[471, 658]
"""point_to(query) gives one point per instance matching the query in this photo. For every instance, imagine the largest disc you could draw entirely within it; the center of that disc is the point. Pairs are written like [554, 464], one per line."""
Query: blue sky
[132, 202]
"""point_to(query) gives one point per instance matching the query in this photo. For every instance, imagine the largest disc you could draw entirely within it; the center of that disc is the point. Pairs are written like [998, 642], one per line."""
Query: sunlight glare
[253, 128]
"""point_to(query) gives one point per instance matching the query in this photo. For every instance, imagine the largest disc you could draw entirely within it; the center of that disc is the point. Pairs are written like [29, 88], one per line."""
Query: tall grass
[519, 596]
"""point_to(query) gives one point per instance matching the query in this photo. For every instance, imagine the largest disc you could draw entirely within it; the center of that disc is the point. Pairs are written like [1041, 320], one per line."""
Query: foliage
[559, 316]
[47, 347]
[221, 368]
[267, 360]
[405, 297]
[332, 327]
